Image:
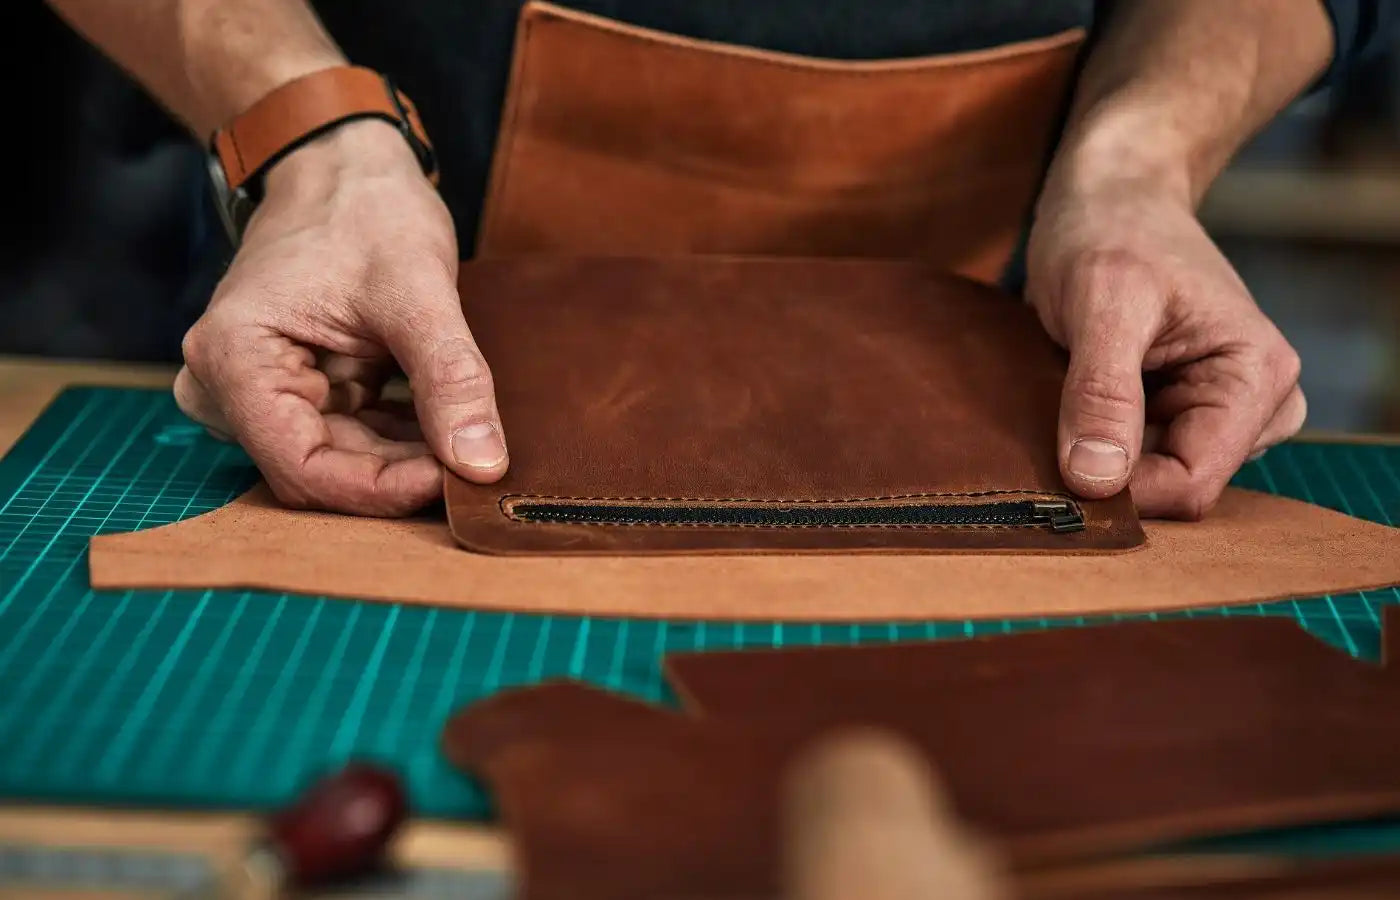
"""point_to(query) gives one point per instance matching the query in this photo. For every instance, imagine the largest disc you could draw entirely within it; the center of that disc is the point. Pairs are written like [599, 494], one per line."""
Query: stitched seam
[510, 513]
[626, 523]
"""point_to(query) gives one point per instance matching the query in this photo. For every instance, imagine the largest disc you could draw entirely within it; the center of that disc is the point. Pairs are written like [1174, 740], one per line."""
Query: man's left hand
[1176, 378]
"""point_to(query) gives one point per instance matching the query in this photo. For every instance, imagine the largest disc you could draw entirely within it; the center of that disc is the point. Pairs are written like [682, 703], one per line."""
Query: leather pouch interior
[745, 405]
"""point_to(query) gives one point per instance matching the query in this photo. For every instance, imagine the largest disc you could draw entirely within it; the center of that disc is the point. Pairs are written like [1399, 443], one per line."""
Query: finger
[1279, 370]
[398, 422]
[270, 396]
[354, 382]
[1198, 453]
[864, 816]
[1101, 408]
[1152, 436]
[451, 384]
[352, 433]
[194, 401]
[1286, 422]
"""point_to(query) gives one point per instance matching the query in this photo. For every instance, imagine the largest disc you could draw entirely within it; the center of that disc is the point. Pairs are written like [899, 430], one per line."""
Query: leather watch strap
[295, 113]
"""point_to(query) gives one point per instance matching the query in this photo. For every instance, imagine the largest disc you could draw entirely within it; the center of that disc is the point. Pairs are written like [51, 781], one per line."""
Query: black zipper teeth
[1057, 515]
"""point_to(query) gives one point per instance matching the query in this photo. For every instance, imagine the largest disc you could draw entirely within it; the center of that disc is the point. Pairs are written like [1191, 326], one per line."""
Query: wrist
[1124, 142]
[364, 148]
[232, 59]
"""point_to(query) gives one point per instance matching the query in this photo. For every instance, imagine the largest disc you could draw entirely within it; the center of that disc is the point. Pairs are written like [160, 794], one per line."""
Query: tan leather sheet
[1254, 547]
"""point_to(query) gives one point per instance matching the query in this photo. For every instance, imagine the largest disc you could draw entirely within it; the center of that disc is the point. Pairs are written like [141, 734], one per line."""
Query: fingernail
[1257, 455]
[478, 445]
[1098, 460]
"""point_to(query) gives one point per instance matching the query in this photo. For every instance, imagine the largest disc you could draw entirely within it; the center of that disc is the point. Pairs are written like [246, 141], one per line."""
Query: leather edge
[1390, 640]
[498, 175]
[1069, 37]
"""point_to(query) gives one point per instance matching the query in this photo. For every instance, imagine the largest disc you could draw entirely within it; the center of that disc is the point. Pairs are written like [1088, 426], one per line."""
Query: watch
[241, 152]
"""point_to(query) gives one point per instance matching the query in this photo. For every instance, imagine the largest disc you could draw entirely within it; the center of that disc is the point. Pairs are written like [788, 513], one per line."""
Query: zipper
[1058, 515]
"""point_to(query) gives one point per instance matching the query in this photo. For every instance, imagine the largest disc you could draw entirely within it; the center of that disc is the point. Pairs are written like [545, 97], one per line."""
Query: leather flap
[733, 405]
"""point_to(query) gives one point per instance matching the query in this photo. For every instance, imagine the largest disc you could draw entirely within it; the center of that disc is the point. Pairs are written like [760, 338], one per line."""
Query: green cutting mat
[236, 699]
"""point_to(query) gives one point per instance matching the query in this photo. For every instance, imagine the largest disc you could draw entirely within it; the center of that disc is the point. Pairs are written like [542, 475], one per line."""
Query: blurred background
[99, 259]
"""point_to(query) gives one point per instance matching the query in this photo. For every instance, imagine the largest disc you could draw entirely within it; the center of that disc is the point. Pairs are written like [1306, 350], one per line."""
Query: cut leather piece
[553, 712]
[1252, 548]
[1163, 745]
[1167, 676]
[622, 140]
[1341, 879]
[640, 810]
[745, 405]
[1157, 726]
[696, 817]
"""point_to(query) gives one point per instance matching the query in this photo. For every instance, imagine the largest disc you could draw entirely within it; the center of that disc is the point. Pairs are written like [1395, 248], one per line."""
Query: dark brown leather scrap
[728, 405]
[1060, 747]
[1138, 732]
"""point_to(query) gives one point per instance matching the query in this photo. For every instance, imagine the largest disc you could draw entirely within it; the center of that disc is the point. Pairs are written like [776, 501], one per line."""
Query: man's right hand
[348, 265]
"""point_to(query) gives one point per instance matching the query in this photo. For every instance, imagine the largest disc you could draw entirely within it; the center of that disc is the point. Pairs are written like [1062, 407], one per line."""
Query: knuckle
[1299, 415]
[1106, 390]
[457, 371]
[1193, 506]
[187, 393]
[1197, 499]
[288, 493]
[1284, 363]
[209, 339]
[194, 346]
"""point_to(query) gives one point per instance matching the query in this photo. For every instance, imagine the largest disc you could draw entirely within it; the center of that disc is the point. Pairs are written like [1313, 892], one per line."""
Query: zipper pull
[1061, 515]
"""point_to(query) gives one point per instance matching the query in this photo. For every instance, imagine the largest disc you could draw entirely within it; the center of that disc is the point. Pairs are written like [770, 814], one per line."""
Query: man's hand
[1175, 376]
[1125, 278]
[348, 265]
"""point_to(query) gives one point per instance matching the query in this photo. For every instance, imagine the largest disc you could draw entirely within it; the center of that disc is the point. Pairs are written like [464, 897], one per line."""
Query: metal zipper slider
[1061, 515]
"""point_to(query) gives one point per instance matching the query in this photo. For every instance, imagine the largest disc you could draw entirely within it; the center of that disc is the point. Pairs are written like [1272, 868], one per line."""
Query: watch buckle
[426, 158]
[235, 205]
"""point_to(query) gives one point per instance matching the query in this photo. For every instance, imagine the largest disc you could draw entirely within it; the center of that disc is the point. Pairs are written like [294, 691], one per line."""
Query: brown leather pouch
[705, 404]
[623, 140]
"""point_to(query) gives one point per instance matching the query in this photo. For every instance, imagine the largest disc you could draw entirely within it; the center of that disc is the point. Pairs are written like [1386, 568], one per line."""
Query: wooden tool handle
[863, 817]
[339, 828]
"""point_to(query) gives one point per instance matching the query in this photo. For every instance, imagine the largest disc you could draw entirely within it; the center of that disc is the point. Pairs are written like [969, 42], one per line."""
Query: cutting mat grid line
[237, 698]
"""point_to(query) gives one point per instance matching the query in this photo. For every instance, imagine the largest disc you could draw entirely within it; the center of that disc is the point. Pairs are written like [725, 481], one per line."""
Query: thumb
[452, 388]
[1102, 407]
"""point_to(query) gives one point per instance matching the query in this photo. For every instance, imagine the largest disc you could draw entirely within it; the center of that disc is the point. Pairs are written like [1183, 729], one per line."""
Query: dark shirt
[453, 56]
[117, 253]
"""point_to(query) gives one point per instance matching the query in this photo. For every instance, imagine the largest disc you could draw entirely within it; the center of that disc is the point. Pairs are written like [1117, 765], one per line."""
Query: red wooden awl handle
[339, 828]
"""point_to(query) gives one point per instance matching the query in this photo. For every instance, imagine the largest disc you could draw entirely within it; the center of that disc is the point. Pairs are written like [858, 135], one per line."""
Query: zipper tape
[1058, 514]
